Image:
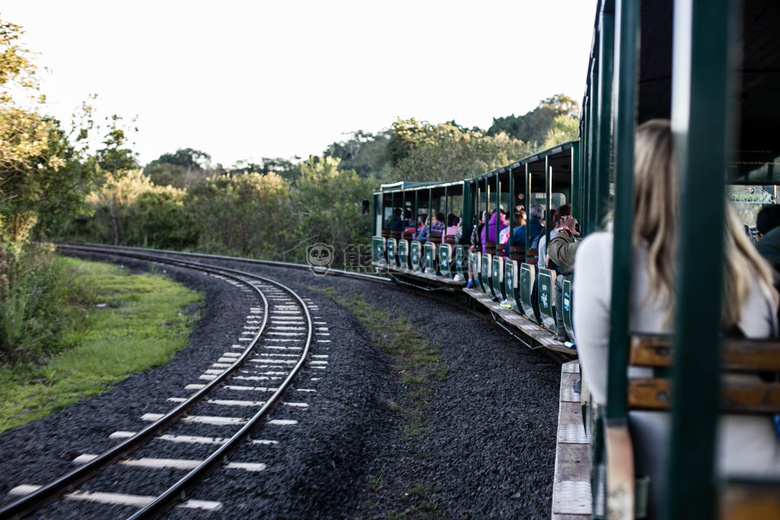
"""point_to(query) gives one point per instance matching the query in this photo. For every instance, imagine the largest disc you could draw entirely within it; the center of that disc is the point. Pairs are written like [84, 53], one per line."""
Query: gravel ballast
[486, 448]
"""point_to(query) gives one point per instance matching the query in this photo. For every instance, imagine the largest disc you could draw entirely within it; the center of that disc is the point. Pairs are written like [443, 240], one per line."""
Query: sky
[247, 79]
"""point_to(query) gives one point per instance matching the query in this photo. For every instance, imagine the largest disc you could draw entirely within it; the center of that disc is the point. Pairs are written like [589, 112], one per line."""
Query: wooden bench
[743, 355]
[738, 500]
[517, 253]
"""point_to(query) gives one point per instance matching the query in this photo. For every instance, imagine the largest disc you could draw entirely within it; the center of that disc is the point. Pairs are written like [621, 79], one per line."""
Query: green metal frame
[527, 280]
[403, 253]
[445, 260]
[429, 250]
[568, 308]
[511, 286]
[547, 298]
[486, 261]
[497, 278]
[415, 255]
[462, 262]
[392, 258]
[378, 250]
[704, 35]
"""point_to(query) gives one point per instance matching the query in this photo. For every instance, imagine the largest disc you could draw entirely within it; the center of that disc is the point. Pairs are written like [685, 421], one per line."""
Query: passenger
[747, 445]
[522, 221]
[561, 254]
[422, 232]
[476, 246]
[452, 224]
[492, 229]
[517, 220]
[769, 247]
[410, 229]
[557, 216]
[534, 225]
[438, 225]
[767, 220]
[421, 222]
[398, 222]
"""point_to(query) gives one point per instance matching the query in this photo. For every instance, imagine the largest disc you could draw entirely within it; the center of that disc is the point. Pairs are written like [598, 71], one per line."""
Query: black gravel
[486, 449]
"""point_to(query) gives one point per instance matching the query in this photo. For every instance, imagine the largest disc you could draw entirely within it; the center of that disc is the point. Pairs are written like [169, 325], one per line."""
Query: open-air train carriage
[505, 274]
[711, 66]
[436, 259]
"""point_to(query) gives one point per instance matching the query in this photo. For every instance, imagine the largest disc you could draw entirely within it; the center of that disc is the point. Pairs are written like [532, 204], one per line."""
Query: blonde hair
[656, 221]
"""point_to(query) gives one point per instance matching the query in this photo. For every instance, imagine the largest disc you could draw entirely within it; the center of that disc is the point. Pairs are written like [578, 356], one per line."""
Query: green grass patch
[130, 323]
[416, 361]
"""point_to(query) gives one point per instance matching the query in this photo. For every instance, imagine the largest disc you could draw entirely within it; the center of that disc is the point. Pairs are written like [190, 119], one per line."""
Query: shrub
[36, 293]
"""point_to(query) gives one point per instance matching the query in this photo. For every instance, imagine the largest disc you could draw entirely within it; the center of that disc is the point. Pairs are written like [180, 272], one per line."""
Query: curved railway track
[272, 350]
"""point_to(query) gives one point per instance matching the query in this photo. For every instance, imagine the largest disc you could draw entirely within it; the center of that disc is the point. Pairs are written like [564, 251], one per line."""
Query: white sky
[242, 80]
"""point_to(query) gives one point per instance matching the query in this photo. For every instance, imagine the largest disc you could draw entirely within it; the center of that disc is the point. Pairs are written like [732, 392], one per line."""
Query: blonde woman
[748, 446]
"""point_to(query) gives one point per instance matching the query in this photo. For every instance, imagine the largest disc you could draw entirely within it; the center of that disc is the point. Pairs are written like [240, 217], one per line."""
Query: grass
[419, 366]
[416, 362]
[137, 321]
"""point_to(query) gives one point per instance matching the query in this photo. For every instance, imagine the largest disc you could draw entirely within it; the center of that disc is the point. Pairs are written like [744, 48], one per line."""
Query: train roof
[559, 157]
[756, 83]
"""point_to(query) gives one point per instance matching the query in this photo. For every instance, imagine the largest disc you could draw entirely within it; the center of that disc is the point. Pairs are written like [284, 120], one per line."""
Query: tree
[118, 192]
[40, 172]
[327, 207]
[564, 128]
[534, 126]
[285, 168]
[364, 152]
[451, 152]
[242, 214]
[181, 169]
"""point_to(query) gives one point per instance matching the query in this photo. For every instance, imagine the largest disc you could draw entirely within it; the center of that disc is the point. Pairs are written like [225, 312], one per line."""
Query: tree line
[82, 182]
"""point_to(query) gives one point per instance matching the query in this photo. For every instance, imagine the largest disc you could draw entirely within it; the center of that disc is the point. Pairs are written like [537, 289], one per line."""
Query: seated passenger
[767, 220]
[517, 221]
[438, 225]
[398, 222]
[492, 229]
[534, 226]
[747, 445]
[452, 224]
[422, 229]
[561, 254]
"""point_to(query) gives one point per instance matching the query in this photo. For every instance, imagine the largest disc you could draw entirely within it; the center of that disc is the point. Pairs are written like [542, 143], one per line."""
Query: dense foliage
[84, 183]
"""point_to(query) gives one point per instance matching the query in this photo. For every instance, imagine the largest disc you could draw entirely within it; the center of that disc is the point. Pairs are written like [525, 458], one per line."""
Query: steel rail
[55, 489]
[270, 263]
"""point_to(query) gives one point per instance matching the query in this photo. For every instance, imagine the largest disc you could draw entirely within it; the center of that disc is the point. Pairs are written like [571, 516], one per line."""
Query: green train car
[647, 412]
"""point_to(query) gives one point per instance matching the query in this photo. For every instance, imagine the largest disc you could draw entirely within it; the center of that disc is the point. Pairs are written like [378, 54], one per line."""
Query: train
[711, 68]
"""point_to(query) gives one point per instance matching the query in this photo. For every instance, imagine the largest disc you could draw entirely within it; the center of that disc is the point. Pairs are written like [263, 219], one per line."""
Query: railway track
[235, 396]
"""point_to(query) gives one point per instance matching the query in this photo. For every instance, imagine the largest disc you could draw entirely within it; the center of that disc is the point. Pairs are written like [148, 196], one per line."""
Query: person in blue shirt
[534, 225]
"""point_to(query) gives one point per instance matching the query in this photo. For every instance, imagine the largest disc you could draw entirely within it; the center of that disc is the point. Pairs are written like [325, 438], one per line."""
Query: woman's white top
[749, 444]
